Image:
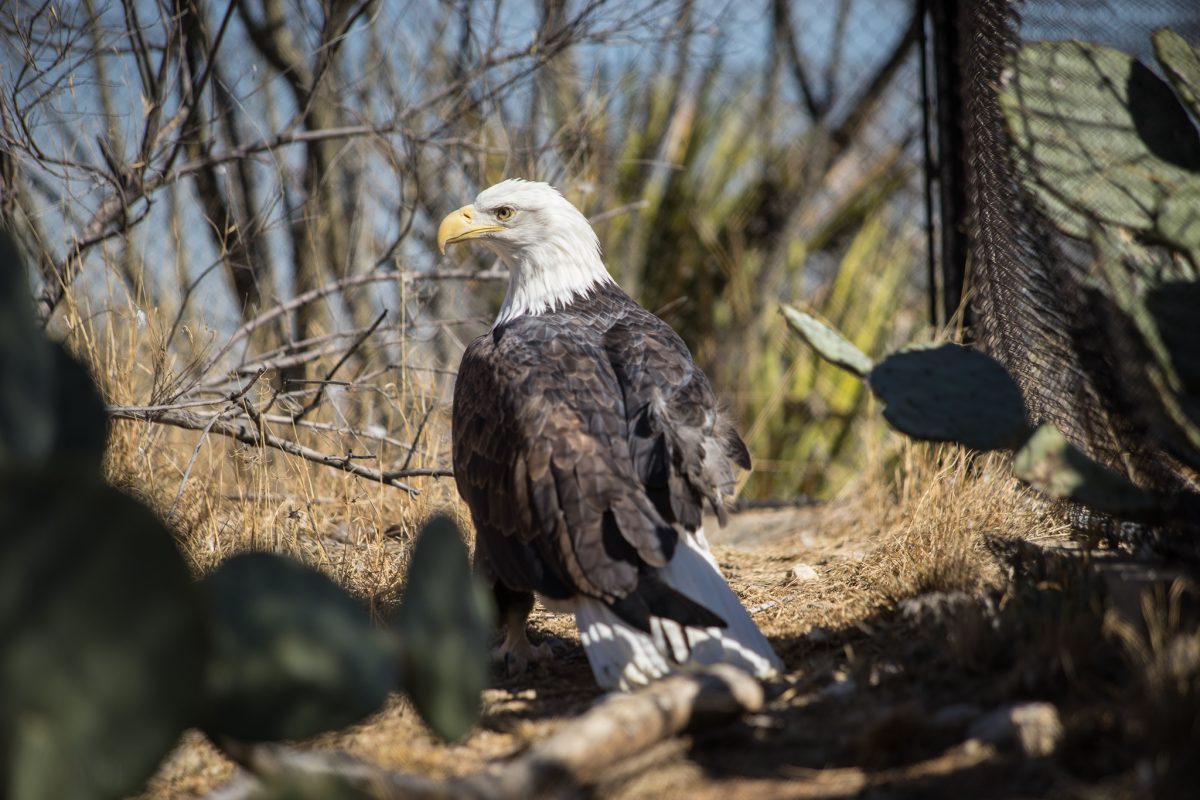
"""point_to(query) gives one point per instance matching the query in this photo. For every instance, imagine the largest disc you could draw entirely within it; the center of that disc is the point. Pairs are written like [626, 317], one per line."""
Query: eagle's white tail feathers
[623, 657]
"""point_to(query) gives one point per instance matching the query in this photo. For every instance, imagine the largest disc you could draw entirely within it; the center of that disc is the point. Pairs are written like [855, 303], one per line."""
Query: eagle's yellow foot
[516, 652]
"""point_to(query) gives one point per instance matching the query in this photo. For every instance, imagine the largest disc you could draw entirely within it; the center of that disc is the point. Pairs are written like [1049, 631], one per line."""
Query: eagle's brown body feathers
[584, 440]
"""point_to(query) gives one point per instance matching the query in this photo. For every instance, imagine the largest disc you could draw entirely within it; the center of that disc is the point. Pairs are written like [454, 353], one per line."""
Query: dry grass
[222, 497]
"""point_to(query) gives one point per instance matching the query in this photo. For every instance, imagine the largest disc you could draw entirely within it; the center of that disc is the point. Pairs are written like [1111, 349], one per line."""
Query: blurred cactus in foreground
[110, 648]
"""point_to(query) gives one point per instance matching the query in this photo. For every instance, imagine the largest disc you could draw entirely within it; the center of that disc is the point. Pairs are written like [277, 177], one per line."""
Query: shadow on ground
[1020, 692]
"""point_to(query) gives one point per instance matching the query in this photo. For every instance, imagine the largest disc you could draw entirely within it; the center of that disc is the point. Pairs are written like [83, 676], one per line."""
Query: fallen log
[579, 753]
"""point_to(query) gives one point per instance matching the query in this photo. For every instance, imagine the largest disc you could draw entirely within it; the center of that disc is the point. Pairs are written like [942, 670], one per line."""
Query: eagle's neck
[548, 275]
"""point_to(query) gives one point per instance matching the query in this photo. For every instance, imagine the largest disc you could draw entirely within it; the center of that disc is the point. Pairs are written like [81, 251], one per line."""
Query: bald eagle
[586, 442]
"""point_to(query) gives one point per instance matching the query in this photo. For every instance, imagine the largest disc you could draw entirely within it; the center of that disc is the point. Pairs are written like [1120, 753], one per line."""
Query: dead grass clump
[1161, 697]
[929, 518]
[220, 496]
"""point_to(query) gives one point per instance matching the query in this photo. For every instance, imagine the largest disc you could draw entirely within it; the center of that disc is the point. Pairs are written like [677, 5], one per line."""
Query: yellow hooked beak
[458, 226]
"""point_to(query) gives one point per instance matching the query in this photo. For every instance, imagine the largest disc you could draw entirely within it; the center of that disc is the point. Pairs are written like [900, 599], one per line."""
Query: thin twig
[247, 433]
[316, 401]
[416, 440]
[340, 285]
[233, 398]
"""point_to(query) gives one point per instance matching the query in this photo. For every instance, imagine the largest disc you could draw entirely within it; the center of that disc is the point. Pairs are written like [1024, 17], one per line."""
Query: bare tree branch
[247, 432]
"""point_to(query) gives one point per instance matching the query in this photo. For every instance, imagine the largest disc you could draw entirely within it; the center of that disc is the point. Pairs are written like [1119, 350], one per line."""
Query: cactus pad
[445, 622]
[1102, 138]
[292, 653]
[1054, 466]
[103, 641]
[949, 393]
[1181, 62]
[49, 405]
[829, 344]
[1175, 308]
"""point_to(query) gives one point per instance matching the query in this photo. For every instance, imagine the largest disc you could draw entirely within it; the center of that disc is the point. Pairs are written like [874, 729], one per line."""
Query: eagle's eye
[505, 213]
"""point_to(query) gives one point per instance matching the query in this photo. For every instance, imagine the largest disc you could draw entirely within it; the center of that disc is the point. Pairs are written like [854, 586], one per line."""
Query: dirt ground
[907, 638]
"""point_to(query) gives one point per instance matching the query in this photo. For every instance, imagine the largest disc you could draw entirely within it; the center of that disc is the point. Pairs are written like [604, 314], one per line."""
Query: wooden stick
[582, 752]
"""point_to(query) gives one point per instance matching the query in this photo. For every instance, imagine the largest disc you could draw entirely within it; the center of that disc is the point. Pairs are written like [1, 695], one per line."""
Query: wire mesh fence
[1032, 277]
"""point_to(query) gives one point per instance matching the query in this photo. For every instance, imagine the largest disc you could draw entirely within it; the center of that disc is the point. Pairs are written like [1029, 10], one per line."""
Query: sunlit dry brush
[946, 501]
[915, 524]
[222, 496]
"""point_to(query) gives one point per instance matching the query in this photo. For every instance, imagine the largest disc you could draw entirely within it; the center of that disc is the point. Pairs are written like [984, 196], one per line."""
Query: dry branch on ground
[578, 754]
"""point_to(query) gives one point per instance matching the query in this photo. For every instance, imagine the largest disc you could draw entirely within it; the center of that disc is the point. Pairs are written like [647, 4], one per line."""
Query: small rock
[1034, 728]
[956, 715]
[804, 572]
[819, 634]
[842, 686]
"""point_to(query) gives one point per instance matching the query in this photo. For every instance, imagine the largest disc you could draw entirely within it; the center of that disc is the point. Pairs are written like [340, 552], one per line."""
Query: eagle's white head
[550, 249]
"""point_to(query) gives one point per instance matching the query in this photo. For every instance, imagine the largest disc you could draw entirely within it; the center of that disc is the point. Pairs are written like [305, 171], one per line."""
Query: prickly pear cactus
[293, 655]
[1055, 467]
[949, 393]
[829, 344]
[1102, 139]
[1175, 309]
[445, 622]
[1181, 62]
[103, 638]
[49, 406]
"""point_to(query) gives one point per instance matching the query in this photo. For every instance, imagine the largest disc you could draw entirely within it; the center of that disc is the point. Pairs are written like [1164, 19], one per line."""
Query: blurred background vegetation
[217, 192]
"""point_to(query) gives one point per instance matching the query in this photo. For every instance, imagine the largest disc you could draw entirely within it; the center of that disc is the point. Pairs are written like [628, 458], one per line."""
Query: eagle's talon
[516, 653]
[514, 665]
[552, 645]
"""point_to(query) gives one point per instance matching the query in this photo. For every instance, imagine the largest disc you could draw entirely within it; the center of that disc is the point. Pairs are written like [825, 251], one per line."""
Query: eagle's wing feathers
[683, 448]
[541, 458]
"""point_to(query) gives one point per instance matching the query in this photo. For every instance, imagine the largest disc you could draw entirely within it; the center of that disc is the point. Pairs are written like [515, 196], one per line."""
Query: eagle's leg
[516, 652]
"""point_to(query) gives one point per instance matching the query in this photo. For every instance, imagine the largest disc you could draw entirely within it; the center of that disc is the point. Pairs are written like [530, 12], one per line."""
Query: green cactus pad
[1102, 138]
[445, 622]
[49, 406]
[829, 344]
[1054, 466]
[80, 420]
[27, 368]
[1179, 219]
[293, 654]
[1181, 62]
[949, 393]
[103, 640]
